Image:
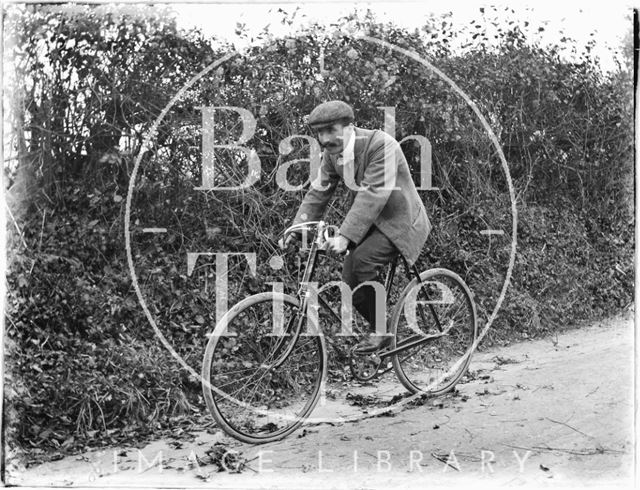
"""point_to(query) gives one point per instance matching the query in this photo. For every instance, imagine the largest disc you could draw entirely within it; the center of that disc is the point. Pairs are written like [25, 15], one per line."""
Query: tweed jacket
[380, 195]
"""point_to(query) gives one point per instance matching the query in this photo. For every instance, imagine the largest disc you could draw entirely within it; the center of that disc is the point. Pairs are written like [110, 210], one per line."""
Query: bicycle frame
[252, 380]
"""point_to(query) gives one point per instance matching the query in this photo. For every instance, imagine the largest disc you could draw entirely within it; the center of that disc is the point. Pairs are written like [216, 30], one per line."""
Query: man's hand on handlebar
[337, 244]
[327, 238]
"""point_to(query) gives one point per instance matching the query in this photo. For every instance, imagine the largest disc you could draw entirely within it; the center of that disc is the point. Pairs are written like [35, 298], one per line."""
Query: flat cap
[328, 112]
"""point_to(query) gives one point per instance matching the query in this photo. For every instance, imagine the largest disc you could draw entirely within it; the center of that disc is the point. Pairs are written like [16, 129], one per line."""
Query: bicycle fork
[299, 318]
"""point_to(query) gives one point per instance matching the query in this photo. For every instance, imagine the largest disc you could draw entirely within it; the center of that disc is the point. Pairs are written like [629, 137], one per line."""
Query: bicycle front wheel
[258, 387]
[441, 312]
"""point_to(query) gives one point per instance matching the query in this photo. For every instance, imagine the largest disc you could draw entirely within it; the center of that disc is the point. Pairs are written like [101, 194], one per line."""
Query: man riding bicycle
[386, 215]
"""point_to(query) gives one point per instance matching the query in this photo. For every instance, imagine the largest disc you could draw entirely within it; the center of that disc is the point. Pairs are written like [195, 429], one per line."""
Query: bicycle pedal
[383, 370]
[365, 368]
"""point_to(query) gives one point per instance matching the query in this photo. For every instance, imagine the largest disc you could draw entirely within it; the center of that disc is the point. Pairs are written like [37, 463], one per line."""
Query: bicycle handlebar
[301, 227]
[322, 235]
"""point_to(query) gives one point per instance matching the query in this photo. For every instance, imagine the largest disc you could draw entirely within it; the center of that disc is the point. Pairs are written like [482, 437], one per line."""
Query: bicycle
[263, 372]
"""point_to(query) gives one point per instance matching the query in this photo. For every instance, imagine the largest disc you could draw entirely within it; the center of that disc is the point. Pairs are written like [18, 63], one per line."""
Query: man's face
[332, 138]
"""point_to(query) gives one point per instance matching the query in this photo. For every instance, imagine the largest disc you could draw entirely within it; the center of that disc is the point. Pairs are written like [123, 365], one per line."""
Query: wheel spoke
[249, 401]
[425, 368]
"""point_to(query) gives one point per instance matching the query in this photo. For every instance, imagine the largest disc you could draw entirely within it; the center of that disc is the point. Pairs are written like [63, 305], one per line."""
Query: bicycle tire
[412, 366]
[216, 360]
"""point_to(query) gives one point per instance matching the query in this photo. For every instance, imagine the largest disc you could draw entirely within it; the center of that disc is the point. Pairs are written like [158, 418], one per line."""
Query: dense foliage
[87, 83]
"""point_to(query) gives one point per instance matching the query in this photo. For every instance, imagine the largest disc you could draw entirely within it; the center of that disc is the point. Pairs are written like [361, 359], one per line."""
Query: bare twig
[246, 465]
[44, 214]
[442, 460]
[470, 434]
[592, 392]
[48, 198]
[590, 452]
[520, 447]
[16, 225]
[572, 428]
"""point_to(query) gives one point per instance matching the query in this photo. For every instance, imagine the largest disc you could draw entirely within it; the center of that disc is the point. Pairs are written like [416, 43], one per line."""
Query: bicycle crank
[365, 367]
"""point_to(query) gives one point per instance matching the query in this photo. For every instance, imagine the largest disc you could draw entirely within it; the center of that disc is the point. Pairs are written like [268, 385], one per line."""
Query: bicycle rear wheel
[251, 397]
[435, 366]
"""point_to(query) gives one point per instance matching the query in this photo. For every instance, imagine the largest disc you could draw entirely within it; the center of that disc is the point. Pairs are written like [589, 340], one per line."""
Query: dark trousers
[364, 263]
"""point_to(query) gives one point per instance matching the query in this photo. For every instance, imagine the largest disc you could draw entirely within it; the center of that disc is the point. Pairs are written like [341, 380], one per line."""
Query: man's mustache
[329, 145]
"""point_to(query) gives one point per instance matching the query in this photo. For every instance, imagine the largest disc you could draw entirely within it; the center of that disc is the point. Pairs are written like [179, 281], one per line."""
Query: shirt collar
[348, 149]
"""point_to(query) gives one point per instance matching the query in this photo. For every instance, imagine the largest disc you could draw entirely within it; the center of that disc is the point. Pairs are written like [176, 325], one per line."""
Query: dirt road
[550, 412]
